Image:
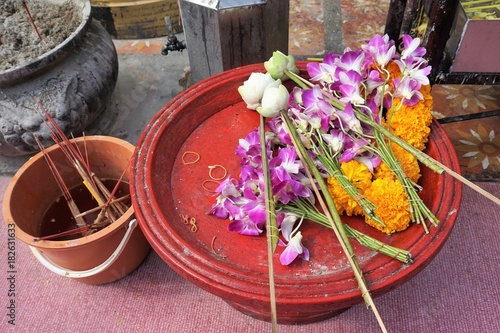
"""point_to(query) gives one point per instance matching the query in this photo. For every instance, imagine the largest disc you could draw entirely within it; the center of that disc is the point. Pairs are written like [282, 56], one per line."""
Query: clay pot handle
[93, 271]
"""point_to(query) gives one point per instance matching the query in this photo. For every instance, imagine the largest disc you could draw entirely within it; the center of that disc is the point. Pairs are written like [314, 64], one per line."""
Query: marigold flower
[392, 205]
[412, 123]
[360, 176]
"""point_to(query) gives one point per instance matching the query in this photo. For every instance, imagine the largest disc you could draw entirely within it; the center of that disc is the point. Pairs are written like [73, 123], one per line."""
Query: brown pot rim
[66, 244]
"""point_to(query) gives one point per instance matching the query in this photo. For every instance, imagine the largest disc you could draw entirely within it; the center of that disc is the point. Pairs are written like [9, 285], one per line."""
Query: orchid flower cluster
[333, 112]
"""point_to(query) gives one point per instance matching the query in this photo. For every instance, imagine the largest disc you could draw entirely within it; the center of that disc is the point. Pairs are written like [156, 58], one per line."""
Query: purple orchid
[249, 148]
[255, 208]
[373, 81]
[293, 244]
[335, 140]
[315, 111]
[287, 224]
[411, 63]
[348, 118]
[370, 160]
[381, 50]
[280, 135]
[244, 226]
[408, 89]
[350, 87]
[352, 149]
[351, 60]
[411, 47]
[415, 68]
[224, 207]
[323, 72]
[286, 176]
[294, 249]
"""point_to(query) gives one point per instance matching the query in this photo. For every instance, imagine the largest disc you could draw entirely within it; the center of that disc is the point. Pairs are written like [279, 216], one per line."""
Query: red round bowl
[208, 119]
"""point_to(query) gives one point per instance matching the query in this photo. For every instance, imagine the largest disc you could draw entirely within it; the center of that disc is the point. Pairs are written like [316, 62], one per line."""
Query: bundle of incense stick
[110, 208]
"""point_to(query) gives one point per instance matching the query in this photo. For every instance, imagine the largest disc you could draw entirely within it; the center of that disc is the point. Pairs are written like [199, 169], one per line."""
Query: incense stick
[95, 186]
[31, 19]
[80, 222]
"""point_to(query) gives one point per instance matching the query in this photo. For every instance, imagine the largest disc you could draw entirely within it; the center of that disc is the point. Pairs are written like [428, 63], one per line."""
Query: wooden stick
[107, 194]
[333, 217]
[467, 182]
[76, 158]
[473, 9]
[272, 230]
[62, 186]
[111, 196]
[95, 209]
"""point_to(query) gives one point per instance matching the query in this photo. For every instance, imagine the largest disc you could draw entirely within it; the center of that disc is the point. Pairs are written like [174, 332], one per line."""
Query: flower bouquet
[346, 141]
[200, 129]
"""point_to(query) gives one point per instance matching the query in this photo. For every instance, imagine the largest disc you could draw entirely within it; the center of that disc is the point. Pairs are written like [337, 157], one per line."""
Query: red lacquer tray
[209, 118]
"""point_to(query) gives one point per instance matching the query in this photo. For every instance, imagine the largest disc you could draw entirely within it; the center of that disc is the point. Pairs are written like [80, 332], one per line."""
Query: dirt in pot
[19, 41]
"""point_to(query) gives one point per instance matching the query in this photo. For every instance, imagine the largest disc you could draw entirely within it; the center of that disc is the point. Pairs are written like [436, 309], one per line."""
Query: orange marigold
[360, 176]
[428, 100]
[412, 123]
[394, 72]
[392, 205]
[408, 162]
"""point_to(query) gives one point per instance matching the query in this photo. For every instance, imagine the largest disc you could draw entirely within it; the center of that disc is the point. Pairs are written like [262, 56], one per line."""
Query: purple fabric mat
[457, 292]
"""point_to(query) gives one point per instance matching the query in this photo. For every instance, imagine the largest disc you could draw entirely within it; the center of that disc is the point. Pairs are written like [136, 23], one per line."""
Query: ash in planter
[73, 79]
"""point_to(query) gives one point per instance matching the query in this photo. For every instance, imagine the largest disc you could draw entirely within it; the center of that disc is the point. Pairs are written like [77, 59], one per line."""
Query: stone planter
[74, 82]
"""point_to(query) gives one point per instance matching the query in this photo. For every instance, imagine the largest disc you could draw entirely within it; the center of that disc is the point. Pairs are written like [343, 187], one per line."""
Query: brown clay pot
[102, 257]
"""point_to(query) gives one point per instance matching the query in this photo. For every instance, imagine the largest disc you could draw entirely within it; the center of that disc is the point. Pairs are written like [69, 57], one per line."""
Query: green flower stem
[301, 82]
[419, 155]
[425, 159]
[271, 225]
[418, 210]
[333, 167]
[376, 245]
[333, 217]
[309, 211]
[338, 227]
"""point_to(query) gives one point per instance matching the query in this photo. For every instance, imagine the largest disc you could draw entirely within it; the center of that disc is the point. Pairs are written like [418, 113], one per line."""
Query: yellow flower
[360, 176]
[408, 162]
[392, 205]
[412, 123]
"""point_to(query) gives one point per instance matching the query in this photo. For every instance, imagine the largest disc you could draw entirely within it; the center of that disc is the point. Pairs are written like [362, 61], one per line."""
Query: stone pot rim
[33, 66]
